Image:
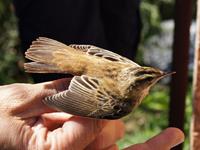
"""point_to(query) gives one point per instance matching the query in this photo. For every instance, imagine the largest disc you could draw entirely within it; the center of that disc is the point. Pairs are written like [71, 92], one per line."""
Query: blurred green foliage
[151, 20]
[11, 60]
[153, 12]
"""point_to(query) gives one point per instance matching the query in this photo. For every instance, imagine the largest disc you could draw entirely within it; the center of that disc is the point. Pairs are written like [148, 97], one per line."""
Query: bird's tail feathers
[37, 67]
[41, 52]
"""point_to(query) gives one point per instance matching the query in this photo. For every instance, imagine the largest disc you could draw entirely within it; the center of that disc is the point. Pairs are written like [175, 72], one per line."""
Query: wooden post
[178, 89]
[195, 125]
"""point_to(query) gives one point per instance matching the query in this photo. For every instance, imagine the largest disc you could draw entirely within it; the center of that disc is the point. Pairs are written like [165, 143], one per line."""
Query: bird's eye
[149, 79]
[140, 73]
[143, 80]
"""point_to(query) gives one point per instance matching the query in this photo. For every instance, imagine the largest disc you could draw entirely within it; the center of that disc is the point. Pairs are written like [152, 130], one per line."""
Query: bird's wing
[100, 52]
[85, 97]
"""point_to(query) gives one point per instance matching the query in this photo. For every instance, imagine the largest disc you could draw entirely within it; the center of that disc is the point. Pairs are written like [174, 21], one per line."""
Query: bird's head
[142, 79]
[145, 77]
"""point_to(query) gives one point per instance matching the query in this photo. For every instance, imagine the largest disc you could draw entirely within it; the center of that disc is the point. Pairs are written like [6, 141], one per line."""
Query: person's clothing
[113, 25]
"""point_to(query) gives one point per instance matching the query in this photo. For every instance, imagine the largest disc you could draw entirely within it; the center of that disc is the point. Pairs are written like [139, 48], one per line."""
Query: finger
[112, 147]
[56, 116]
[58, 85]
[113, 131]
[38, 136]
[77, 132]
[166, 140]
[33, 95]
[54, 120]
[49, 88]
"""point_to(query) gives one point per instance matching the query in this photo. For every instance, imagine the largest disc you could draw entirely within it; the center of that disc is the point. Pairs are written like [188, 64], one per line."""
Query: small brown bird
[105, 85]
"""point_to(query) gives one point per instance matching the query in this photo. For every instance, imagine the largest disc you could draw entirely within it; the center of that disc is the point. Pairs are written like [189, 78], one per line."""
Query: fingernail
[181, 141]
[113, 147]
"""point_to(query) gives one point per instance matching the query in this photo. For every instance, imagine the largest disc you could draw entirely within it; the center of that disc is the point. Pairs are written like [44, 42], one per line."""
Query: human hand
[26, 123]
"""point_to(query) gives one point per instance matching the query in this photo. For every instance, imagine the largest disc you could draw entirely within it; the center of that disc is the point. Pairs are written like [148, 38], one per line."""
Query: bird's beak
[165, 74]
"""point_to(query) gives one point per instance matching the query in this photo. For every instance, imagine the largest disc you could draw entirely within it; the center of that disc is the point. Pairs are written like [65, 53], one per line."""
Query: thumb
[30, 103]
[166, 140]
